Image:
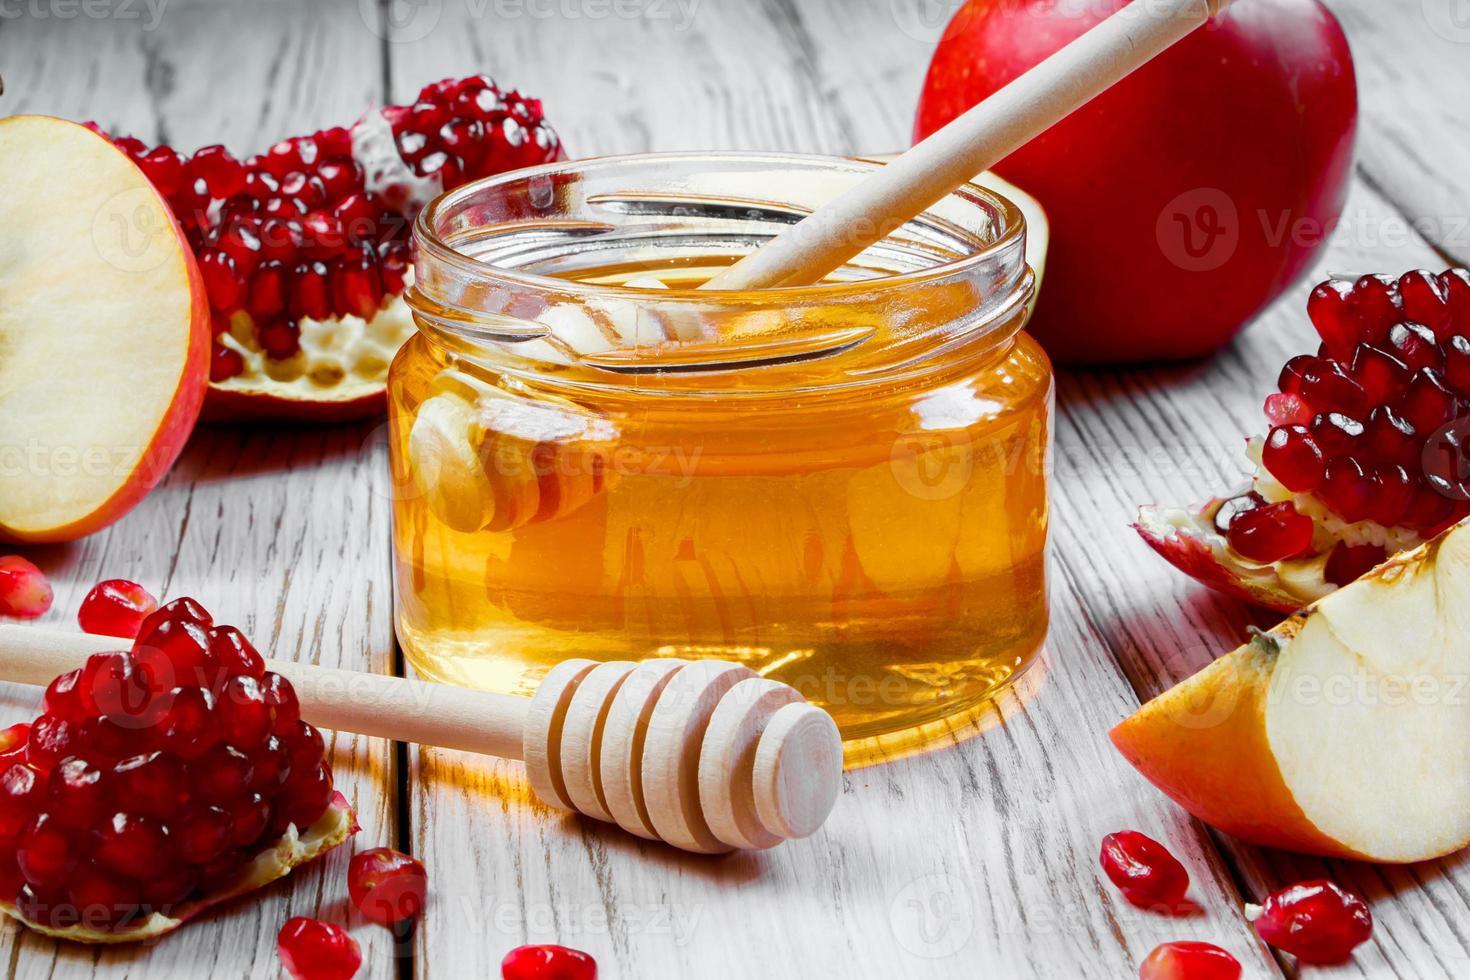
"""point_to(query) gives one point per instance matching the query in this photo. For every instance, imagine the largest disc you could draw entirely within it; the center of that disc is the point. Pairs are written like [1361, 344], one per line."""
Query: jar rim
[1009, 220]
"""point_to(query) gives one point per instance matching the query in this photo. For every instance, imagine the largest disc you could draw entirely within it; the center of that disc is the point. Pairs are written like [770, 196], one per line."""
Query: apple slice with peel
[104, 332]
[1345, 731]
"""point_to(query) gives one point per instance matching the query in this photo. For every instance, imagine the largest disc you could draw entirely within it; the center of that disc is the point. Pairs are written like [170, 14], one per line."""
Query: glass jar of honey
[842, 485]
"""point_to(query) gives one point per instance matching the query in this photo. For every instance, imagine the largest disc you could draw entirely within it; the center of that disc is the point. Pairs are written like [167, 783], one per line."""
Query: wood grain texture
[283, 533]
[1413, 61]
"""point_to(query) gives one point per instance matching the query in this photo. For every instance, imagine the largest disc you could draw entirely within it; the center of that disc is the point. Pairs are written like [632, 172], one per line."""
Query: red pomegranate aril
[278, 241]
[280, 339]
[250, 815]
[178, 651]
[393, 259]
[1290, 380]
[221, 775]
[134, 846]
[162, 892]
[234, 654]
[1389, 438]
[101, 900]
[48, 906]
[1394, 494]
[24, 591]
[267, 295]
[165, 169]
[244, 713]
[311, 299]
[63, 697]
[1425, 301]
[1235, 506]
[271, 766]
[220, 171]
[1331, 312]
[281, 696]
[1293, 458]
[1347, 563]
[313, 950]
[1327, 388]
[1270, 533]
[1189, 961]
[113, 685]
[547, 962]
[1346, 489]
[1337, 434]
[387, 886]
[76, 793]
[22, 788]
[304, 797]
[340, 177]
[153, 784]
[1457, 365]
[51, 740]
[1427, 403]
[1376, 302]
[303, 743]
[1381, 375]
[225, 364]
[357, 289]
[201, 833]
[116, 607]
[1144, 871]
[222, 281]
[1415, 345]
[45, 852]
[187, 722]
[1456, 283]
[1315, 921]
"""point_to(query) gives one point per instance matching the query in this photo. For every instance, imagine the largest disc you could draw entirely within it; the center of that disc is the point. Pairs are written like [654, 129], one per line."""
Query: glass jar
[841, 485]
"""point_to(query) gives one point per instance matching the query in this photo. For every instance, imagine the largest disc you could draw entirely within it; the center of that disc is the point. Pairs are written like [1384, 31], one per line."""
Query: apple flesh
[1341, 732]
[104, 332]
[1190, 195]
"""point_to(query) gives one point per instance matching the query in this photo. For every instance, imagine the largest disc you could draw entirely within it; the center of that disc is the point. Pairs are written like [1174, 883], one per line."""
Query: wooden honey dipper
[704, 755]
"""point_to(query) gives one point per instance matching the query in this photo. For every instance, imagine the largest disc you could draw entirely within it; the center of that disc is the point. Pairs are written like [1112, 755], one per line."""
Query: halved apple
[104, 332]
[1345, 731]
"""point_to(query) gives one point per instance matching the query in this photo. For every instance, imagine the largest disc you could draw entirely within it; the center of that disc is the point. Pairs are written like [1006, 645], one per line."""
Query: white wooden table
[976, 860]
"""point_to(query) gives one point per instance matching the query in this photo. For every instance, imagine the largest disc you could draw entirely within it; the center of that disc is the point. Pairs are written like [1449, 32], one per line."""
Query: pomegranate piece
[547, 963]
[386, 885]
[24, 591]
[1144, 871]
[116, 607]
[1189, 961]
[1315, 921]
[314, 950]
[1369, 431]
[156, 782]
[317, 227]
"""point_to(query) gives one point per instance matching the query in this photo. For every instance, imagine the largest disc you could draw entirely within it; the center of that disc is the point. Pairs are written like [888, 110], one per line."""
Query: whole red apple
[1190, 195]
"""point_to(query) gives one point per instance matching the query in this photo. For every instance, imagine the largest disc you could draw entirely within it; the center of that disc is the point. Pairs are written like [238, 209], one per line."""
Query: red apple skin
[1257, 110]
[176, 426]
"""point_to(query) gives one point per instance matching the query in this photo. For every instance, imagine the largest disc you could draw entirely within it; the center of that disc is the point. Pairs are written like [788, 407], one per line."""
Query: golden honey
[842, 486]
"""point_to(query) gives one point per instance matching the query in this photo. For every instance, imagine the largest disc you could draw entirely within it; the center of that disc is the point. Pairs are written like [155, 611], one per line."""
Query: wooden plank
[284, 533]
[1413, 62]
[1174, 435]
[976, 860]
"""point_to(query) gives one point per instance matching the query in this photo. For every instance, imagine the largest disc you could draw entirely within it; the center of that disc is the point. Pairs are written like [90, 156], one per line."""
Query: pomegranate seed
[1290, 380]
[165, 169]
[1395, 493]
[1380, 374]
[313, 950]
[63, 697]
[303, 744]
[77, 794]
[1346, 489]
[250, 815]
[1376, 303]
[312, 296]
[1189, 961]
[386, 885]
[116, 607]
[223, 872]
[153, 784]
[304, 797]
[1390, 438]
[162, 892]
[1425, 301]
[1293, 458]
[357, 289]
[46, 853]
[244, 714]
[234, 654]
[1144, 871]
[24, 591]
[1270, 533]
[22, 789]
[1456, 283]
[1427, 404]
[267, 291]
[221, 172]
[1457, 365]
[1336, 434]
[547, 963]
[1415, 345]
[180, 608]
[112, 685]
[1331, 312]
[178, 652]
[225, 364]
[271, 765]
[221, 775]
[133, 846]
[1327, 388]
[1315, 921]
[51, 740]
[1347, 563]
[100, 900]
[222, 281]
[281, 696]
[279, 339]
[201, 833]
[340, 178]
[323, 235]
[187, 722]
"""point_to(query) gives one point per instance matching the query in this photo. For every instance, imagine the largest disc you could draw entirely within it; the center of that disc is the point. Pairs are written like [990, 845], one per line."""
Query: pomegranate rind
[292, 850]
[1189, 541]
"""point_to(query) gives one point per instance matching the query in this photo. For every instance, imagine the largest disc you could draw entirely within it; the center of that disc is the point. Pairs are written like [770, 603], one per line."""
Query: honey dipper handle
[970, 144]
[342, 700]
